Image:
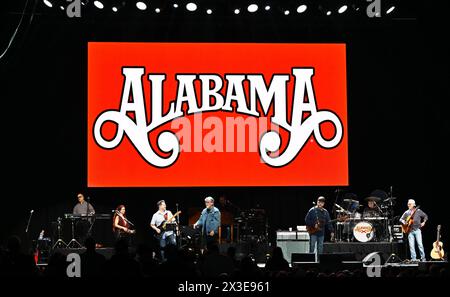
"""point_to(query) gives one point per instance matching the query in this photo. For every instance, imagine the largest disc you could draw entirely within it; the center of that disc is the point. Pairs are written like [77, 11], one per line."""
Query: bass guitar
[163, 226]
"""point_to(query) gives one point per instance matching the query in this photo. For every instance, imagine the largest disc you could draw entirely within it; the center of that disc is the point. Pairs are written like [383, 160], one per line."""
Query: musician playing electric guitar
[413, 219]
[165, 237]
[316, 219]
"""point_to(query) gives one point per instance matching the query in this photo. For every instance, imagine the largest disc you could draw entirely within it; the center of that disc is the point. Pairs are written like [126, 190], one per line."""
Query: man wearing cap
[415, 235]
[318, 218]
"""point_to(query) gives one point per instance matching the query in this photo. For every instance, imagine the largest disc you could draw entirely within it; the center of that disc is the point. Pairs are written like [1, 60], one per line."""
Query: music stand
[73, 243]
[59, 243]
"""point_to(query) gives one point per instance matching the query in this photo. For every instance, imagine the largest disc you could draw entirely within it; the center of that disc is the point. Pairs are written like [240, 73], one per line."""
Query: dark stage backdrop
[397, 123]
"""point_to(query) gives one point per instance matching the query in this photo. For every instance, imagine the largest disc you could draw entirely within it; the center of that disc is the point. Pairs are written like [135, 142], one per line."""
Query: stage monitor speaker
[303, 258]
[336, 258]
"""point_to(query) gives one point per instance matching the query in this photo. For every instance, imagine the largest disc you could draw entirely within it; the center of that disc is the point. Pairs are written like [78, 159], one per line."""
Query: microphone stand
[124, 218]
[27, 237]
[92, 221]
[29, 220]
[177, 233]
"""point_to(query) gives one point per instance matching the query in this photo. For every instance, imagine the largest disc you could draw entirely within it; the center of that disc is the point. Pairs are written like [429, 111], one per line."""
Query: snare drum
[363, 231]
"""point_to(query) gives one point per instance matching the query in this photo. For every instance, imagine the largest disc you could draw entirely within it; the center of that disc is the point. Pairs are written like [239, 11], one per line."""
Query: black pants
[81, 231]
[118, 235]
[208, 240]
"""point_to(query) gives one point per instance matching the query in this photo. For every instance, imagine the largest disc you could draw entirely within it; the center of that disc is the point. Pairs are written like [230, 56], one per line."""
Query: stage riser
[361, 250]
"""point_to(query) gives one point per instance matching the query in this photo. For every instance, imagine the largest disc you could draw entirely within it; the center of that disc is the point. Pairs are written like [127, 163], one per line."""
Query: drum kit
[252, 225]
[372, 224]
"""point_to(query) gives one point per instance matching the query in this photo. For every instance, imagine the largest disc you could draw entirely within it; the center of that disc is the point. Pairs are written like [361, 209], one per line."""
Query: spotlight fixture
[208, 11]
[98, 4]
[390, 10]
[302, 8]
[114, 9]
[48, 3]
[286, 12]
[252, 8]
[141, 5]
[157, 10]
[191, 6]
[237, 11]
[329, 12]
[342, 9]
[267, 7]
[175, 5]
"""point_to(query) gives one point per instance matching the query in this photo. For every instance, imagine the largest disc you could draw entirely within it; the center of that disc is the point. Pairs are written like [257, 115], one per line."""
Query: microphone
[314, 203]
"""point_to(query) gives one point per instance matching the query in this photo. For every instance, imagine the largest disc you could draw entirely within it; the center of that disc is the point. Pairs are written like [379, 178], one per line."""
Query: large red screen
[216, 114]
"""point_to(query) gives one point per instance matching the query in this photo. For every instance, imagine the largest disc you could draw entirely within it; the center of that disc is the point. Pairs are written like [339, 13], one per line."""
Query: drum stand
[74, 244]
[59, 243]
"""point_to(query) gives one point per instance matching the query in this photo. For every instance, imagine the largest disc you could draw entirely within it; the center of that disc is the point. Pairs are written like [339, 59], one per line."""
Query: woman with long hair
[121, 226]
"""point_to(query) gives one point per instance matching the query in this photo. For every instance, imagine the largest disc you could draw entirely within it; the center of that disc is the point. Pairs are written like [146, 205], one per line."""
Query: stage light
[157, 10]
[191, 6]
[329, 12]
[252, 8]
[48, 3]
[302, 8]
[175, 5]
[286, 12]
[141, 5]
[237, 11]
[390, 10]
[208, 11]
[114, 9]
[267, 8]
[98, 4]
[61, 7]
[342, 9]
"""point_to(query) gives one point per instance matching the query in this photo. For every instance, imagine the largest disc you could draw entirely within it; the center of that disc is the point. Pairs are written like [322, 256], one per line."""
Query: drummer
[372, 209]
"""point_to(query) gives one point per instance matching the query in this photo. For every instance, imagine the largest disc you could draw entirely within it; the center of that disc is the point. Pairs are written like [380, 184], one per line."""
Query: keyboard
[97, 216]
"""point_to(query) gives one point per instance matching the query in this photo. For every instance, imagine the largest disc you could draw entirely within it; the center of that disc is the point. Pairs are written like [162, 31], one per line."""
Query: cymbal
[389, 199]
[351, 201]
[373, 198]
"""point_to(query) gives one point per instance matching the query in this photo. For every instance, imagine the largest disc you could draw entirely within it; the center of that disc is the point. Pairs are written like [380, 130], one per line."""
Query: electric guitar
[163, 225]
[407, 227]
[437, 253]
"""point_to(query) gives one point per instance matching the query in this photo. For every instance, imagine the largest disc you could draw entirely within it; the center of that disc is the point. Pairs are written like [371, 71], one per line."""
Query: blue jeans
[414, 236]
[164, 241]
[313, 239]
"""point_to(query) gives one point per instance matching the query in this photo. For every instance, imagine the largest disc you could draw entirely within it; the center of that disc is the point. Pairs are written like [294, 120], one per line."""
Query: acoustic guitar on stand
[437, 253]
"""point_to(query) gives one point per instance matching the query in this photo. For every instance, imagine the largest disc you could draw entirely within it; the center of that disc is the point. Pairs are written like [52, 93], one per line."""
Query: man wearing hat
[415, 235]
[372, 209]
[318, 219]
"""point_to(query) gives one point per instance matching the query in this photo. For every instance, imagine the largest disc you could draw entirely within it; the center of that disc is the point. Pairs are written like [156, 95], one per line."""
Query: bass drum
[363, 231]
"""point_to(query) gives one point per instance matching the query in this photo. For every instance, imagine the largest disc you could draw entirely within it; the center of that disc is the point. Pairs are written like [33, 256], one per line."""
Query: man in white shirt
[165, 237]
